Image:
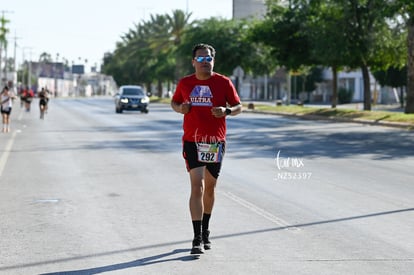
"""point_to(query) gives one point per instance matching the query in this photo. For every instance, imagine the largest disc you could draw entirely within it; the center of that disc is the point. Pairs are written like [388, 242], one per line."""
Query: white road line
[4, 157]
[6, 152]
[261, 212]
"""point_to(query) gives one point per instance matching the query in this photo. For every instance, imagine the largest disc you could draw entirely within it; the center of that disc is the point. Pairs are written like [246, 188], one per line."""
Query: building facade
[249, 8]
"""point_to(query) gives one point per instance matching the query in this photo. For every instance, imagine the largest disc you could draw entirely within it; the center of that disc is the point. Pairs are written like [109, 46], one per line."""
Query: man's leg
[208, 200]
[209, 192]
[196, 206]
[196, 197]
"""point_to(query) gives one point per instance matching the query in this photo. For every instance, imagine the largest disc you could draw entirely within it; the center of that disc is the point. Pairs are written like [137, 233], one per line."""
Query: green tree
[179, 22]
[45, 57]
[404, 9]
[312, 78]
[349, 33]
[284, 31]
[364, 26]
[409, 107]
[230, 39]
[160, 69]
[131, 57]
[328, 36]
[147, 52]
[393, 77]
[3, 30]
[335, 33]
[3, 39]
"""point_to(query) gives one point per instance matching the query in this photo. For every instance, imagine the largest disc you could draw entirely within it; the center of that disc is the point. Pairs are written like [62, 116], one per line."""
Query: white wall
[248, 8]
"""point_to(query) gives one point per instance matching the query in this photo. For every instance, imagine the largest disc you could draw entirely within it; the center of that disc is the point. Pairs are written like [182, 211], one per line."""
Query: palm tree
[179, 22]
[45, 58]
[3, 39]
[147, 52]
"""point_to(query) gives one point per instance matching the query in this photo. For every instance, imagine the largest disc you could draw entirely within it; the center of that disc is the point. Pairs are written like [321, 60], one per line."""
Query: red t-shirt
[199, 124]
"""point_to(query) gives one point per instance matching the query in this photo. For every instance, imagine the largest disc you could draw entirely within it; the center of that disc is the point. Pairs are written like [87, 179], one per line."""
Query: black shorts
[6, 111]
[43, 102]
[191, 158]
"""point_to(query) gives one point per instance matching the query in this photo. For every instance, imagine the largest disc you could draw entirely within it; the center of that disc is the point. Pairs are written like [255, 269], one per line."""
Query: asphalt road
[89, 191]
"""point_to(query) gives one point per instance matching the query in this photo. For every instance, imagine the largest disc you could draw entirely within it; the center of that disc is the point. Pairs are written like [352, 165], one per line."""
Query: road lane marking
[4, 157]
[6, 152]
[47, 200]
[260, 211]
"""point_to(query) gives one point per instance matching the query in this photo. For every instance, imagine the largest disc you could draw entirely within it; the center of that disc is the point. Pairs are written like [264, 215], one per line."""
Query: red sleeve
[178, 96]
[232, 97]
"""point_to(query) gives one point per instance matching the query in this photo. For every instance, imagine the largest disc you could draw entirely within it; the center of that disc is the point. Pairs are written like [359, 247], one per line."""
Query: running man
[43, 101]
[205, 98]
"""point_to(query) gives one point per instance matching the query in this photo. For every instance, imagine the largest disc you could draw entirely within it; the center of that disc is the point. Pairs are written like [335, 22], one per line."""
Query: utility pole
[15, 82]
[55, 92]
[29, 65]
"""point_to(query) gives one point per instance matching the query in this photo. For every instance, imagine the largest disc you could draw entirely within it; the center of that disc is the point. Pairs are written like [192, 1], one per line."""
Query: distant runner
[43, 102]
[6, 99]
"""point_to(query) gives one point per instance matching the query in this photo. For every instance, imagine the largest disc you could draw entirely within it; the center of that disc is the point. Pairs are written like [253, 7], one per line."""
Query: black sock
[197, 229]
[206, 220]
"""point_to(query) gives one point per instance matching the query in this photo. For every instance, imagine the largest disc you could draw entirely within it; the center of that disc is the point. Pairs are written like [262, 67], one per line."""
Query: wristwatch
[228, 111]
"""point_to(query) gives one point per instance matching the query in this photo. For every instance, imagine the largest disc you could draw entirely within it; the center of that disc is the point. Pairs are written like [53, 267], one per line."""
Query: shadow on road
[266, 135]
[161, 258]
[140, 262]
[324, 139]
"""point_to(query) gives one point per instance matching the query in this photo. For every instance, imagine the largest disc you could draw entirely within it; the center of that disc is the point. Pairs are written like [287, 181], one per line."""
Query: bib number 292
[209, 152]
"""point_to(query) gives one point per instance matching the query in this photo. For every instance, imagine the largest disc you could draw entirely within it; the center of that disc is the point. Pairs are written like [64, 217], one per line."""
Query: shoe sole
[198, 254]
[196, 251]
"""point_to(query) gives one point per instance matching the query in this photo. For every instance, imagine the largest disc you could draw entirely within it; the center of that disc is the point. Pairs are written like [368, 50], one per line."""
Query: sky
[86, 29]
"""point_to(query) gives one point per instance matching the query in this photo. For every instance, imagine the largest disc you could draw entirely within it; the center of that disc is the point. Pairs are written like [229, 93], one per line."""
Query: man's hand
[185, 107]
[218, 111]
[182, 108]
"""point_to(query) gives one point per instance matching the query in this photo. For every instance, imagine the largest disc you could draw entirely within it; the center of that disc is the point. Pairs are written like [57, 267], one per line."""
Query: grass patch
[337, 113]
[156, 99]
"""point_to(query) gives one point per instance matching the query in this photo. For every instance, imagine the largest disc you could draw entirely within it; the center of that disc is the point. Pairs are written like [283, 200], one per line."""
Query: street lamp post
[29, 73]
[29, 66]
[15, 80]
[55, 74]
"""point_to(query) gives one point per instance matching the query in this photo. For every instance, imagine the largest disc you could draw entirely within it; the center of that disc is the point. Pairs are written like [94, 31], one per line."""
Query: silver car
[131, 98]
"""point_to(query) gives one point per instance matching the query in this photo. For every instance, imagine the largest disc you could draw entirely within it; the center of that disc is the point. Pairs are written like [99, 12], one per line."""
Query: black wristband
[228, 111]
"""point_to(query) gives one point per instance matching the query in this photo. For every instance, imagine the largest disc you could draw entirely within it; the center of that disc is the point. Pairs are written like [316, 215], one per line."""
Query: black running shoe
[206, 241]
[197, 249]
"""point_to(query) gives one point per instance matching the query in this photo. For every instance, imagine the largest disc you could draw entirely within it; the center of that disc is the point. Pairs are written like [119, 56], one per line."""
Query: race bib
[209, 152]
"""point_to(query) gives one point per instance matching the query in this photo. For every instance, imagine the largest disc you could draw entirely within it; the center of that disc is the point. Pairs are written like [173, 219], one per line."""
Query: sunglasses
[201, 59]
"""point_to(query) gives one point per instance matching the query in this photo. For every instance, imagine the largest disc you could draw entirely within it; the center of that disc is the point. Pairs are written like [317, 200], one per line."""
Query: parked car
[131, 98]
